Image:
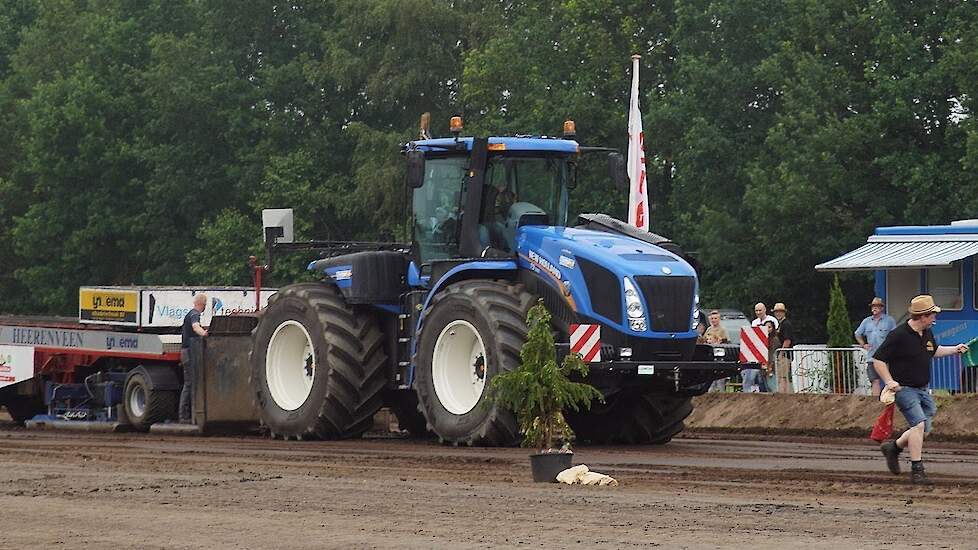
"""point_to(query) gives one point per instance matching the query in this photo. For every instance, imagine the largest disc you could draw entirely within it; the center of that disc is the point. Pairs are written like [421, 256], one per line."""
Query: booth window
[901, 286]
[945, 285]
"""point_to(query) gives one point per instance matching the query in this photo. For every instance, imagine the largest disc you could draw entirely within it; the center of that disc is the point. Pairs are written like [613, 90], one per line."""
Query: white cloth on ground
[580, 475]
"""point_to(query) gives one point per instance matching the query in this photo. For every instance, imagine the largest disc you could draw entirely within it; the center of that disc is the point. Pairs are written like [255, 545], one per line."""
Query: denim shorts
[871, 372]
[917, 406]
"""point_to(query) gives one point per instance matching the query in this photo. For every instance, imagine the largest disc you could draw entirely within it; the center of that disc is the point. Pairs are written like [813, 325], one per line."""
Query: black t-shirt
[785, 332]
[908, 355]
[188, 334]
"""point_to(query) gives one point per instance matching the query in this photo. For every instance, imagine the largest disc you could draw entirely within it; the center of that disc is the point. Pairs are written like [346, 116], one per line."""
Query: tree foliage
[838, 325]
[141, 140]
[540, 390]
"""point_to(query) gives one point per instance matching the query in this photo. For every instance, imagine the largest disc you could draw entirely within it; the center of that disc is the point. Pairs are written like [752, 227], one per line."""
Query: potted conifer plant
[538, 392]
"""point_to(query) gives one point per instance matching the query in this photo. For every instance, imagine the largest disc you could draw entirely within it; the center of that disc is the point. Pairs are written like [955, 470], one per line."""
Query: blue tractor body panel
[557, 253]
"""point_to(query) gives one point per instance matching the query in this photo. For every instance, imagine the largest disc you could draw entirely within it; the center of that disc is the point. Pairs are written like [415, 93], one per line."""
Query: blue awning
[904, 252]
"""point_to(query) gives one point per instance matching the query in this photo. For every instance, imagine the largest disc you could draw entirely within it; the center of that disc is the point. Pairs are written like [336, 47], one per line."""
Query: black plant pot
[546, 466]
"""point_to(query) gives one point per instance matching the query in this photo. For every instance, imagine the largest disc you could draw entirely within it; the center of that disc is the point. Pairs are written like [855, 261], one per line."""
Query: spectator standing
[761, 316]
[716, 334]
[903, 363]
[700, 333]
[870, 334]
[191, 331]
[751, 376]
[787, 336]
[770, 380]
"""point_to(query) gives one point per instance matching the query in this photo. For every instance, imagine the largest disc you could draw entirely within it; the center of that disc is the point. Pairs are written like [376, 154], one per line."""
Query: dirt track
[147, 491]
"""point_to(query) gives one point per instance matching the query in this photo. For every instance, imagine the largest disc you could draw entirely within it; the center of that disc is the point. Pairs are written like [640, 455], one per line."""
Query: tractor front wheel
[472, 331]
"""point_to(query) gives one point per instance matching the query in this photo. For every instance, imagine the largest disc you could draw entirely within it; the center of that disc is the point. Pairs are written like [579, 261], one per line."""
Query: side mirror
[617, 171]
[415, 169]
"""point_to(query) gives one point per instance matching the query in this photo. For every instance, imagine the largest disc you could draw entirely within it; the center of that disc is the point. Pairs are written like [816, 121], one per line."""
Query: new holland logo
[542, 262]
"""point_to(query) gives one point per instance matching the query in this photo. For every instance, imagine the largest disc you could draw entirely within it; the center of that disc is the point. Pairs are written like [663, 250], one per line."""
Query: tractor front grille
[669, 301]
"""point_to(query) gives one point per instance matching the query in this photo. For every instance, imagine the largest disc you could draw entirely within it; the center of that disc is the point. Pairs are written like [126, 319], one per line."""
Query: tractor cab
[506, 182]
[520, 181]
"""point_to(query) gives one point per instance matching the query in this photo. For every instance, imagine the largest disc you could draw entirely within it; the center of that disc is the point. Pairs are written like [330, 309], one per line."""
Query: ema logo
[216, 306]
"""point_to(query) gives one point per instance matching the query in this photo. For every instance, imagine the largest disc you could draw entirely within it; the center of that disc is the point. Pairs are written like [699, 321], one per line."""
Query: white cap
[887, 396]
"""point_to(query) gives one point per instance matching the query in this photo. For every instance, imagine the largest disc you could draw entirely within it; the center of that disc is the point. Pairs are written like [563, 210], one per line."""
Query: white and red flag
[638, 193]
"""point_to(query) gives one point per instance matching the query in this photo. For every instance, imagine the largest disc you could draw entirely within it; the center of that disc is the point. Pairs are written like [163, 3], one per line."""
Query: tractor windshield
[539, 182]
[514, 186]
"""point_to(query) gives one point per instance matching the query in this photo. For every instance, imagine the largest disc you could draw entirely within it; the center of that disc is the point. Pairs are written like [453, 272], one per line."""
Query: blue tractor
[423, 327]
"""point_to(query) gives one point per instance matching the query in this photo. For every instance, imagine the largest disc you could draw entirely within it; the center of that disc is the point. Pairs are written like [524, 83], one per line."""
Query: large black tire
[651, 419]
[145, 406]
[22, 408]
[497, 311]
[346, 367]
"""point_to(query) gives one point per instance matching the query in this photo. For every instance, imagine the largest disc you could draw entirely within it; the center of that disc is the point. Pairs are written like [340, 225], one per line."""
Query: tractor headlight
[633, 307]
[695, 321]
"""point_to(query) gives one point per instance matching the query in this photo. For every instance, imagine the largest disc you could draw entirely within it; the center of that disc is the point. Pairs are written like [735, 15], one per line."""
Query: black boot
[892, 454]
[918, 477]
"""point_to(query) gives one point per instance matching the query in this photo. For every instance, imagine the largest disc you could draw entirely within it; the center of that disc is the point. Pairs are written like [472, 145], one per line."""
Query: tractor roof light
[570, 129]
[455, 125]
[425, 126]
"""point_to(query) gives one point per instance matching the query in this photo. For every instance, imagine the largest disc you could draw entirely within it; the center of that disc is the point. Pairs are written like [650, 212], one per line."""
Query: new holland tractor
[423, 327]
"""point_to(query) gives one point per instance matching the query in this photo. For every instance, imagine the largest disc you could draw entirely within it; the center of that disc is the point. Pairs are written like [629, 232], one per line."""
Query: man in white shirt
[751, 377]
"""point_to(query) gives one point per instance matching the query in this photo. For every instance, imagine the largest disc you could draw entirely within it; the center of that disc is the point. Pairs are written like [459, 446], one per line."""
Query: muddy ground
[90, 490]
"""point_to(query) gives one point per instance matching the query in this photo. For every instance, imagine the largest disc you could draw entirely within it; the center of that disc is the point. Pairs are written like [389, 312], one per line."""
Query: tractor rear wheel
[634, 419]
[318, 365]
[472, 331]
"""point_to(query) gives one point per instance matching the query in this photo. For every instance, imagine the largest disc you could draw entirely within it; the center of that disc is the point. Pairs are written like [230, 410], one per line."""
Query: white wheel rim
[290, 365]
[458, 367]
[137, 400]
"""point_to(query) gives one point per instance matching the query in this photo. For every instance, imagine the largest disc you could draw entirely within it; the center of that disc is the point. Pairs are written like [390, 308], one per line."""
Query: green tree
[838, 326]
[843, 374]
[540, 390]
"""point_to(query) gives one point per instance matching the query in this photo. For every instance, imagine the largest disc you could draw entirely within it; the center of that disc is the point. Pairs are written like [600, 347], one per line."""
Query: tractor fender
[157, 377]
[481, 269]
[477, 269]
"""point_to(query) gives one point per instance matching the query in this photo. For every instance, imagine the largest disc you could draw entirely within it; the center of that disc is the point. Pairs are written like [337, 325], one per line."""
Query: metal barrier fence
[819, 369]
[823, 370]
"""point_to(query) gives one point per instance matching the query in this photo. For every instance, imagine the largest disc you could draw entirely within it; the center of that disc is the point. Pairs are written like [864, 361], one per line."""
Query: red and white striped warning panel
[586, 341]
[753, 345]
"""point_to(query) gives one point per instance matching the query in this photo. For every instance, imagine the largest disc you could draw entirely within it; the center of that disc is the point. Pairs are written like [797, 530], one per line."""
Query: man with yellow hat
[903, 363]
[870, 334]
[787, 336]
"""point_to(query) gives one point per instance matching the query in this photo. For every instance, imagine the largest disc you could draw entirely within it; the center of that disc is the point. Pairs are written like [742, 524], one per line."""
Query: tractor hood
[590, 269]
